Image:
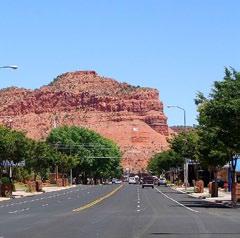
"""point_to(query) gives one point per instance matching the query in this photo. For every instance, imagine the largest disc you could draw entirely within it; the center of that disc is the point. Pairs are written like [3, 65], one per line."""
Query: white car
[132, 180]
[162, 181]
[116, 181]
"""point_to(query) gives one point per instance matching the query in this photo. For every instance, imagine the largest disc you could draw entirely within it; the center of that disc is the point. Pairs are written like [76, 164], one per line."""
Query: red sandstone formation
[131, 116]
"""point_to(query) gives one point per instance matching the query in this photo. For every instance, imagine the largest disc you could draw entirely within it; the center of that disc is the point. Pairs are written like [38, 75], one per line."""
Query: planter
[236, 192]
[65, 182]
[213, 189]
[199, 186]
[39, 186]
[62, 182]
[31, 186]
[6, 190]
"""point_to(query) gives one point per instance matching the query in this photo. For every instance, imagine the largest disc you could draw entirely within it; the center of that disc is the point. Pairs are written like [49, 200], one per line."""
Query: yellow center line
[98, 200]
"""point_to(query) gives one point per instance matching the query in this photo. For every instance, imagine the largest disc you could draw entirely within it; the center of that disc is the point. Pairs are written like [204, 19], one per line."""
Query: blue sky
[178, 47]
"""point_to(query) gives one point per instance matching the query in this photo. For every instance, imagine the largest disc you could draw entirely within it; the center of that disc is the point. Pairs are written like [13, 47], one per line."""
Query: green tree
[13, 145]
[65, 162]
[212, 151]
[41, 157]
[220, 112]
[186, 144]
[164, 161]
[96, 156]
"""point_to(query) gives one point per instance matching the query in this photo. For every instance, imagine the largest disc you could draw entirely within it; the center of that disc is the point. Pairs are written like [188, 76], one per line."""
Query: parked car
[148, 181]
[162, 181]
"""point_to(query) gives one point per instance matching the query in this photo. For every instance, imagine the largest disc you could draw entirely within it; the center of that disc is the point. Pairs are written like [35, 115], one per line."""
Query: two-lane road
[102, 211]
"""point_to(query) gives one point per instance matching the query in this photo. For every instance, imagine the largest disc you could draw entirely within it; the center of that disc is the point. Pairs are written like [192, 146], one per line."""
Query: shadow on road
[172, 234]
[204, 204]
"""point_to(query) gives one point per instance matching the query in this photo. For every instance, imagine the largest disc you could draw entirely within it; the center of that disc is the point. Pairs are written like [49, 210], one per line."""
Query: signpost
[10, 164]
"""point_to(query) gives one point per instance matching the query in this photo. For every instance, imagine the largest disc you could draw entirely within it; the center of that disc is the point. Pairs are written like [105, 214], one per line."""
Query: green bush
[5, 180]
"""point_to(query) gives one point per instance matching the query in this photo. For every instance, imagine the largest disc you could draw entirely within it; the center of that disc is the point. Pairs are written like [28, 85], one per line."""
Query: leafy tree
[220, 112]
[13, 145]
[185, 145]
[96, 156]
[41, 157]
[65, 162]
[212, 151]
[164, 161]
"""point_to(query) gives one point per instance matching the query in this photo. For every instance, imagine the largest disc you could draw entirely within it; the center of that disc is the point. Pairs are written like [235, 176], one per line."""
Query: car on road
[116, 181]
[156, 179]
[162, 181]
[132, 180]
[148, 181]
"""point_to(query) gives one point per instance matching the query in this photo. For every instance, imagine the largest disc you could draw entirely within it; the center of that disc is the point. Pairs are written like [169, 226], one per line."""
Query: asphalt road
[102, 211]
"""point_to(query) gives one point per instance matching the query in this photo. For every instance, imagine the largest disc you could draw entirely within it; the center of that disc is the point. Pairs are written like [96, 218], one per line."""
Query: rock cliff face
[131, 116]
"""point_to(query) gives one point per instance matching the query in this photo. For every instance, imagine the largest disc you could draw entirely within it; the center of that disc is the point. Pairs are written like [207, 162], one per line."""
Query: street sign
[7, 163]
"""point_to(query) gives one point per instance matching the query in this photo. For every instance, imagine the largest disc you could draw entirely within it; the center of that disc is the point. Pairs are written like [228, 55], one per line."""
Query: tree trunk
[35, 177]
[213, 178]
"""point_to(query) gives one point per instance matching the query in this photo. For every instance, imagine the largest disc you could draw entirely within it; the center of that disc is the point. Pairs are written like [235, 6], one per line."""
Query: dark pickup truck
[148, 181]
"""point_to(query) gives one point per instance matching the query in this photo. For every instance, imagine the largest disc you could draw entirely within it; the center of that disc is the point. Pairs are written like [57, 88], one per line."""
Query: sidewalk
[223, 197]
[21, 193]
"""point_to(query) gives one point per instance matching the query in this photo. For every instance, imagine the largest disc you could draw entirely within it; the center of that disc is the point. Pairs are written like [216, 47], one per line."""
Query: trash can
[39, 186]
[214, 190]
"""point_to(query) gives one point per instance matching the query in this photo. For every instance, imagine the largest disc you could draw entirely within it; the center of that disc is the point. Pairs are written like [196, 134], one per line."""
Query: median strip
[98, 200]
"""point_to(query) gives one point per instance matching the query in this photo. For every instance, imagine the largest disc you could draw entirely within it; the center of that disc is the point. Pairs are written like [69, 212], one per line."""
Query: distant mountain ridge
[130, 115]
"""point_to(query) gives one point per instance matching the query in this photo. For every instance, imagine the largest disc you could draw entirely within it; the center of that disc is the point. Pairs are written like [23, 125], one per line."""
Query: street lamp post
[9, 67]
[186, 161]
[184, 114]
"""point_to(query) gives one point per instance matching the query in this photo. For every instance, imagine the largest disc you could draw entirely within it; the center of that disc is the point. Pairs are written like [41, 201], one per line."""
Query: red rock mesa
[132, 116]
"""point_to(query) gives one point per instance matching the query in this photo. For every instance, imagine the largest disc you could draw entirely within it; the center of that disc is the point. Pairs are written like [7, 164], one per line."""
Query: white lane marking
[13, 212]
[43, 198]
[22, 210]
[138, 200]
[44, 205]
[190, 209]
[25, 209]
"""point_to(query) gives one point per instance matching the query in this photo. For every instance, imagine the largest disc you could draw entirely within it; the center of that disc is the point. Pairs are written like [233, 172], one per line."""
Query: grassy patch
[20, 186]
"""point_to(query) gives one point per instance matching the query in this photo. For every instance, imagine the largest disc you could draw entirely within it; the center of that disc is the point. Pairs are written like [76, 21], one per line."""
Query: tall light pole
[186, 161]
[184, 114]
[9, 67]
